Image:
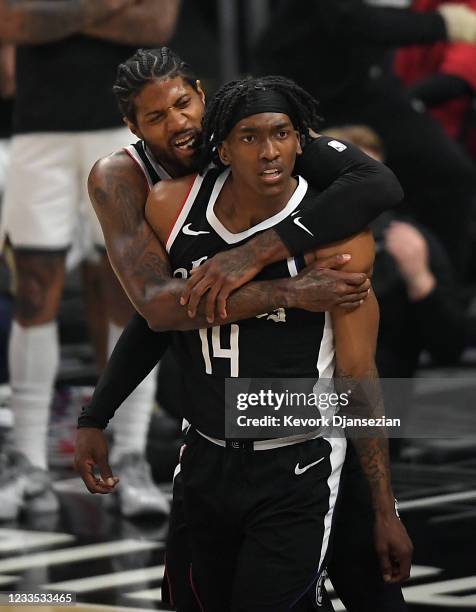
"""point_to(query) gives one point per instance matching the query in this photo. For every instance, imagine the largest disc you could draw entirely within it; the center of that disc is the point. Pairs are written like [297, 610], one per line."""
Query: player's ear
[224, 153]
[133, 127]
[200, 91]
[299, 147]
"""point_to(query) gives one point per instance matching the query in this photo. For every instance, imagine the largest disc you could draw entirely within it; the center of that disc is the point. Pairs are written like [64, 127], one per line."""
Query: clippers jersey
[286, 343]
[150, 167]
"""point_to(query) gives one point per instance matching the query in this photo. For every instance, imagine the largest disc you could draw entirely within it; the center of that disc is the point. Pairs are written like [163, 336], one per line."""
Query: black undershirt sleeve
[439, 88]
[136, 353]
[354, 188]
[394, 26]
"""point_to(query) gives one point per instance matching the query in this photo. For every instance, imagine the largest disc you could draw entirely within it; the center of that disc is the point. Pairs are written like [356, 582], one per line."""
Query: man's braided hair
[144, 66]
[231, 96]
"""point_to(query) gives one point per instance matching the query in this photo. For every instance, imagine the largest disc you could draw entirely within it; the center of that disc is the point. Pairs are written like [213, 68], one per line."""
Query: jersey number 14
[217, 351]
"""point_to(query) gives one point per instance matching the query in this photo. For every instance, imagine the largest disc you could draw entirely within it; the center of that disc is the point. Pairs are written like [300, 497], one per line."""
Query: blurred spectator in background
[440, 77]
[337, 50]
[196, 39]
[7, 90]
[414, 282]
[65, 118]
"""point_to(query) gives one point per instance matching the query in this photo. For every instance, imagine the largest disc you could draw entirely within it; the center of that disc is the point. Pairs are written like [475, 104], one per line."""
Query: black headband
[261, 100]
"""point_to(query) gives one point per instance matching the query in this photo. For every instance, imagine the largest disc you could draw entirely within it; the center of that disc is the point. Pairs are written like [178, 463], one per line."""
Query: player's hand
[318, 288]
[220, 276]
[407, 245]
[394, 548]
[92, 454]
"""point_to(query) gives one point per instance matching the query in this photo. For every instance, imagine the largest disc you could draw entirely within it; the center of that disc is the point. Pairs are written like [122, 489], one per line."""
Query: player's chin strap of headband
[261, 100]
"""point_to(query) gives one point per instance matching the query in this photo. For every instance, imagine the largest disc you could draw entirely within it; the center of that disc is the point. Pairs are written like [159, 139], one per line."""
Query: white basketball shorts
[46, 193]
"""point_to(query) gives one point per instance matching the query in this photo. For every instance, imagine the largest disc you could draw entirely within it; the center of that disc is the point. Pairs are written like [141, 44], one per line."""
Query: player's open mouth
[271, 175]
[185, 142]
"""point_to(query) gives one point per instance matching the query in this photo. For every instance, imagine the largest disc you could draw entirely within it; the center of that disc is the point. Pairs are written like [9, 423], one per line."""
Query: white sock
[131, 422]
[33, 357]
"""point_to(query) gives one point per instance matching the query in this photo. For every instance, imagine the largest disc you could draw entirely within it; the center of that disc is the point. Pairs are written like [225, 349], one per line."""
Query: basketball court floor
[115, 564]
[111, 563]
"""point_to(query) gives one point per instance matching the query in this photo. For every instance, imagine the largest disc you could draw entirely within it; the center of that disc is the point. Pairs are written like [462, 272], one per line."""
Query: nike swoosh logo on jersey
[190, 232]
[299, 224]
[300, 470]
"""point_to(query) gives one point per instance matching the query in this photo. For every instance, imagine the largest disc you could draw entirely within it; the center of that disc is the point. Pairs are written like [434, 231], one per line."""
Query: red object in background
[66, 406]
[418, 62]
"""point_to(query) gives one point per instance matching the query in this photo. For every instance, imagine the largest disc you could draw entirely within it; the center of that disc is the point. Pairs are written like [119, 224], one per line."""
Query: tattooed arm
[149, 22]
[353, 189]
[118, 192]
[355, 336]
[41, 21]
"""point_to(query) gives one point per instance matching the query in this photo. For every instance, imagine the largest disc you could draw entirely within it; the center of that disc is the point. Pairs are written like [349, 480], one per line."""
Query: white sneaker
[11, 494]
[137, 492]
[24, 486]
[12, 486]
[39, 497]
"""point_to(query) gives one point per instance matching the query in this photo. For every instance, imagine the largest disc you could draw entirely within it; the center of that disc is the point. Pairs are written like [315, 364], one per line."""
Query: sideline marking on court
[147, 594]
[81, 607]
[417, 571]
[450, 593]
[8, 579]
[436, 500]
[15, 540]
[76, 553]
[106, 581]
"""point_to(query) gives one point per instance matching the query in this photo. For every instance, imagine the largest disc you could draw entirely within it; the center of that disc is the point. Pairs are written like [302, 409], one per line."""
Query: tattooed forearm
[131, 241]
[268, 248]
[254, 299]
[144, 270]
[372, 451]
[41, 21]
[153, 274]
[251, 300]
[374, 460]
[367, 401]
[142, 265]
[119, 198]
